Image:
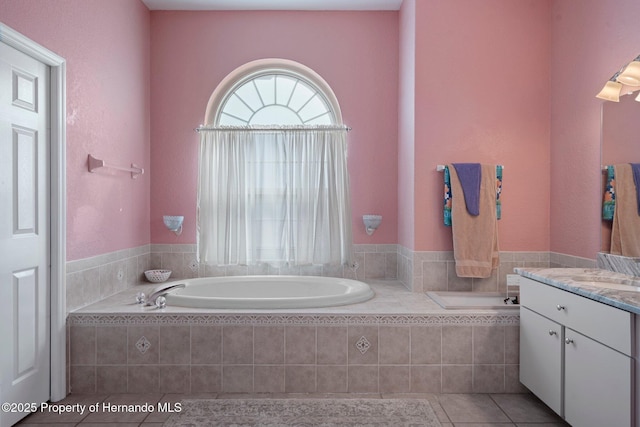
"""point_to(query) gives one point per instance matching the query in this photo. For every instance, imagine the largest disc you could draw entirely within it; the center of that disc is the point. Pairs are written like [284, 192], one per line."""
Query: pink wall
[106, 46]
[482, 95]
[355, 52]
[513, 84]
[406, 124]
[591, 41]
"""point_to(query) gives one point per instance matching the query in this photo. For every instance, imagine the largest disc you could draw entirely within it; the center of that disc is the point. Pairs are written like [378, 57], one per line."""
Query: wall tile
[175, 379]
[512, 382]
[268, 379]
[111, 345]
[394, 379]
[426, 345]
[332, 378]
[375, 265]
[455, 283]
[206, 344]
[363, 345]
[111, 379]
[434, 276]
[300, 345]
[426, 379]
[83, 345]
[332, 345]
[175, 345]
[394, 345]
[206, 378]
[300, 378]
[83, 288]
[457, 379]
[488, 379]
[237, 345]
[83, 379]
[237, 378]
[363, 379]
[268, 346]
[488, 344]
[143, 379]
[456, 344]
[143, 345]
[512, 344]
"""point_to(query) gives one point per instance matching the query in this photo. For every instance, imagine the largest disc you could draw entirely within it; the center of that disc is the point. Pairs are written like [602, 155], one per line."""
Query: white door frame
[58, 189]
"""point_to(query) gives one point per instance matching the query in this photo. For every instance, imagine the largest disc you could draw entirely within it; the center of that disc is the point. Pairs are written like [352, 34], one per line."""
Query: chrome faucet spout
[161, 291]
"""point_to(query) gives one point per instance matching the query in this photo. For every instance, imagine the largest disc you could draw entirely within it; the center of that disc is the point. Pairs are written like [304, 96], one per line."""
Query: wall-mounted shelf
[97, 163]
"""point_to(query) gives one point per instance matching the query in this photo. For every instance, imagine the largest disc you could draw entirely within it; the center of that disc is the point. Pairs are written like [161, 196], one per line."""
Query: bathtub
[472, 300]
[267, 292]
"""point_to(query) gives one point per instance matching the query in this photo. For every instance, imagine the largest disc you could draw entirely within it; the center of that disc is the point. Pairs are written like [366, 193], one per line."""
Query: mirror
[620, 143]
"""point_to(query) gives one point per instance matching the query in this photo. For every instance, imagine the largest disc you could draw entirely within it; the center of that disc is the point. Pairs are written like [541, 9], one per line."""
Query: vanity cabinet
[576, 355]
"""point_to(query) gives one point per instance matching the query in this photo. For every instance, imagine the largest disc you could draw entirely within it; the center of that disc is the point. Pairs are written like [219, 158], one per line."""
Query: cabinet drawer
[608, 325]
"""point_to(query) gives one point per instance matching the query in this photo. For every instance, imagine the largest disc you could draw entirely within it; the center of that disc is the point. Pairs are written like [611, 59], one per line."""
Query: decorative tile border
[292, 319]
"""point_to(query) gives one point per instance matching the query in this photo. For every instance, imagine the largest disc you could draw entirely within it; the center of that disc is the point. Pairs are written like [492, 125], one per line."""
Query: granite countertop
[614, 289]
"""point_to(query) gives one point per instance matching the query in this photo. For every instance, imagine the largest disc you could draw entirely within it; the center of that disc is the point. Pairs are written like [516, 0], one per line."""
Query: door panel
[24, 231]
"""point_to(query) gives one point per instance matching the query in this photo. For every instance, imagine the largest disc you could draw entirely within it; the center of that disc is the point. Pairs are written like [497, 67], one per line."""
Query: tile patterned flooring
[453, 410]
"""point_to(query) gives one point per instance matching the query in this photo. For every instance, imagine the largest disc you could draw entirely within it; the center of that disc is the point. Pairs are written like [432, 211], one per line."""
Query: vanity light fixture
[611, 91]
[629, 76]
[173, 223]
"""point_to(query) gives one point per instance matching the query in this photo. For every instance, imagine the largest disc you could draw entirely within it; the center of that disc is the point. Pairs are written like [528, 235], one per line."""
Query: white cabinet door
[597, 383]
[541, 357]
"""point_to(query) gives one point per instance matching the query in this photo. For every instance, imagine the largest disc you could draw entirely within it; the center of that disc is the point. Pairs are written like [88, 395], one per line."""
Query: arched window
[273, 92]
[273, 183]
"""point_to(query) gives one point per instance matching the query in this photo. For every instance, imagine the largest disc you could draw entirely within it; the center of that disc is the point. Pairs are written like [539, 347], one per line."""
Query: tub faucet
[162, 291]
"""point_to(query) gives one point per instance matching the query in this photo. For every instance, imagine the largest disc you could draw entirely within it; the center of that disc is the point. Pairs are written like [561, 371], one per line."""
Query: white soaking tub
[266, 292]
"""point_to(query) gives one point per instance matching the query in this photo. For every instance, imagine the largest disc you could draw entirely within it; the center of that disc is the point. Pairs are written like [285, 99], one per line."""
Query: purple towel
[470, 175]
[635, 168]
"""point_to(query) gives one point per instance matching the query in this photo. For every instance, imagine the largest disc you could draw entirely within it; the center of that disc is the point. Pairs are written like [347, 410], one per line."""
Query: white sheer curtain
[273, 196]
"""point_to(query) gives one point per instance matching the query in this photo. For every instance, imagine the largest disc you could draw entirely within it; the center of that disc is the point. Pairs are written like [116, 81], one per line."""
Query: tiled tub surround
[93, 279]
[399, 342]
[435, 270]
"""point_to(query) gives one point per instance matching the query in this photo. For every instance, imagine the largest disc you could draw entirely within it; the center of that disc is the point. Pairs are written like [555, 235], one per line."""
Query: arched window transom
[273, 92]
[275, 98]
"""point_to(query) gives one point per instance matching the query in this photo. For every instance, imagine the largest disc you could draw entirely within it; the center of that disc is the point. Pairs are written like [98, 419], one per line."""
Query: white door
[24, 232]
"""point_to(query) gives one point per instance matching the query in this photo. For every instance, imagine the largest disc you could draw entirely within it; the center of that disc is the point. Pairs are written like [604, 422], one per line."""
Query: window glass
[275, 99]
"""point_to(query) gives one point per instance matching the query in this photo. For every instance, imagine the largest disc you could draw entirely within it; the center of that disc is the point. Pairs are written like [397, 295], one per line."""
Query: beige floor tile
[525, 408]
[472, 408]
[116, 415]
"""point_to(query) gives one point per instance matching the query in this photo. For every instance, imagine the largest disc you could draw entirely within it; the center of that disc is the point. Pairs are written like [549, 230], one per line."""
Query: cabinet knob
[560, 307]
[552, 332]
[568, 341]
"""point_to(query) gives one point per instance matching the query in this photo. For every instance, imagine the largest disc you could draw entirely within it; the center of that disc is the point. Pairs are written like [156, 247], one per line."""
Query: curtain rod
[271, 128]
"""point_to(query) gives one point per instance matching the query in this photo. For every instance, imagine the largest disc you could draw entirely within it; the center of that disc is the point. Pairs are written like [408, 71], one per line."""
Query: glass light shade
[371, 223]
[173, 222]
[610, 91]
[631, 74]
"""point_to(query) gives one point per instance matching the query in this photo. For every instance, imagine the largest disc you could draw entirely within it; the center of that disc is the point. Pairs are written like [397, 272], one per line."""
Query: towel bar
[97, 163]
[440, 168]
